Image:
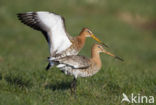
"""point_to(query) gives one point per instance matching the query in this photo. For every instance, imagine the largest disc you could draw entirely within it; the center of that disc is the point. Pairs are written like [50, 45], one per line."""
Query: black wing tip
[117, 57]
[21, 14]
[25, 14]
[29, 19]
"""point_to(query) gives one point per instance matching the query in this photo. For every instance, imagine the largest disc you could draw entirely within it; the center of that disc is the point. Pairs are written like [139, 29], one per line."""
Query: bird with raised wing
[52, 26]
[80, 66]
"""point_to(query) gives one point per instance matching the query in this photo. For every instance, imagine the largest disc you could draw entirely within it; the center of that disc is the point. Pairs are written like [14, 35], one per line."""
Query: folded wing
[51, 25]
[76, 62]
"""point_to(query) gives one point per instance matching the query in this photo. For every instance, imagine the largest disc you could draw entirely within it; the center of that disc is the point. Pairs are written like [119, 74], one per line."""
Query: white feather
[60, 65]
[54, 26]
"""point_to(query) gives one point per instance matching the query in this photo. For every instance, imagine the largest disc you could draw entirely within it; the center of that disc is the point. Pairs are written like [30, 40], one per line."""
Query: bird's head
[89, 33]
[100, 49]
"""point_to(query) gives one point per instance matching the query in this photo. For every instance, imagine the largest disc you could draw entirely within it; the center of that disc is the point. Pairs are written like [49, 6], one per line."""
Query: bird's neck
[95, 56]
[81, 40]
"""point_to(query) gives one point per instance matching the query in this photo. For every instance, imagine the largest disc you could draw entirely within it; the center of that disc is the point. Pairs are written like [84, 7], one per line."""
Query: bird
[52, 26]
[81, 66]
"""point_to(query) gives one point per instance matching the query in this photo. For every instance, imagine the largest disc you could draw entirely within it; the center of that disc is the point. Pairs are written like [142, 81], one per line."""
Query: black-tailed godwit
[52, 26]
[80, 66]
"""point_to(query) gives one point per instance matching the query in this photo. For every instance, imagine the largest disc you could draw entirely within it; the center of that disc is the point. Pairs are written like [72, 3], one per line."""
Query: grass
[128, 27]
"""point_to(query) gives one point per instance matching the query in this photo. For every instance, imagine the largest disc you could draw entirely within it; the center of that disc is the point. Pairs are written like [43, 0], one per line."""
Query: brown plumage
[80, 66]
[78, 43]
[53, 28]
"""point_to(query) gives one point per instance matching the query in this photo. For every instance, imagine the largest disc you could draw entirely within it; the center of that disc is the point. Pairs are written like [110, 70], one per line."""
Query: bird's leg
[73, 86]
[50, 64]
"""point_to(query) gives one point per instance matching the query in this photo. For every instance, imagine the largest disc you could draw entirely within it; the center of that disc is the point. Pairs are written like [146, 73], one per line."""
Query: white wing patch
[60, 65]
[54, 25]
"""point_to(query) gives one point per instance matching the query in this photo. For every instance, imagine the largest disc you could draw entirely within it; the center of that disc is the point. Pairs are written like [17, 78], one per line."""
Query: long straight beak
[116, 57]
[98, 40]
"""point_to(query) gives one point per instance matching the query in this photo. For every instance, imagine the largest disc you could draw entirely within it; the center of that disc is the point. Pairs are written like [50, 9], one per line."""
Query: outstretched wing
[77, 62]
[51, 25]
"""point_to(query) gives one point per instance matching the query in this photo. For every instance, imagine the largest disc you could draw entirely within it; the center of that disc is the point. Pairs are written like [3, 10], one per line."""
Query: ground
[127, 26]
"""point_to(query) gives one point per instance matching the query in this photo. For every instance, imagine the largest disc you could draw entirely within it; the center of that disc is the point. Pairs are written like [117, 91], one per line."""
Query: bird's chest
[72, 50]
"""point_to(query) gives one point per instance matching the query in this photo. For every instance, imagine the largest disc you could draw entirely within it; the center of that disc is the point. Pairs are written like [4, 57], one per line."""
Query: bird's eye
[89, 31]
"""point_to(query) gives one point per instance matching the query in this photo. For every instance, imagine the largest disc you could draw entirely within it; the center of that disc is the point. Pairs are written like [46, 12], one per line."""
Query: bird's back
[78, 66]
